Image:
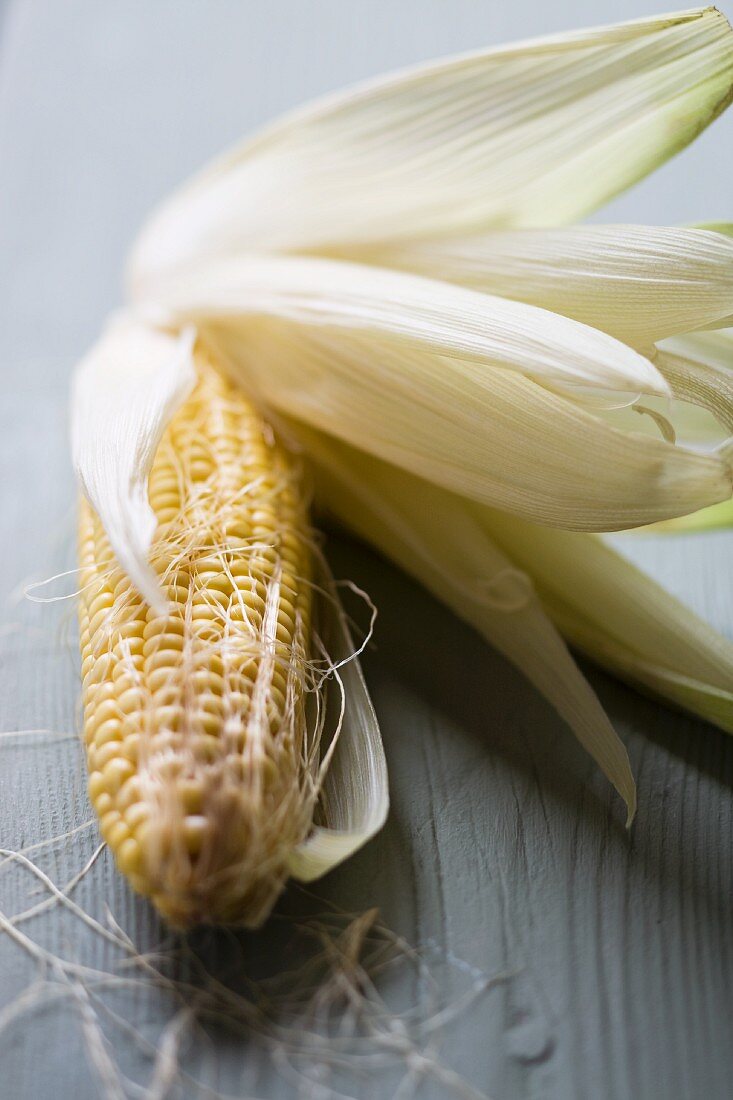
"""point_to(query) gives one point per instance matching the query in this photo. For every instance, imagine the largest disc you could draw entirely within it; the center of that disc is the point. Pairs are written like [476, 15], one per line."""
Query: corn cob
[200, 766]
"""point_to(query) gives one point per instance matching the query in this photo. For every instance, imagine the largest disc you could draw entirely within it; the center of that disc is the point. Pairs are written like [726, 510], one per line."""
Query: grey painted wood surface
[504, 857]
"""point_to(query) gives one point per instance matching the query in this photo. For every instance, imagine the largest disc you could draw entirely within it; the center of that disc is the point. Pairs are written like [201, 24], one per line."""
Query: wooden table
[557, 956]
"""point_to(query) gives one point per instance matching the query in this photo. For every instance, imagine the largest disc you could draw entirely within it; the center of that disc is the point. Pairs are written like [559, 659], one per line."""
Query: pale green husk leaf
[707, 519]
[124, 392]
[489, 434]
[433, 535]
[354, 796]
[534, 134]
[420, 314]
[622, 618]
[639, 283]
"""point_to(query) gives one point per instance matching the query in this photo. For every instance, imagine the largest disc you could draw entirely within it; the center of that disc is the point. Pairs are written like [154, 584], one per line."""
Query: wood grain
[505, 856]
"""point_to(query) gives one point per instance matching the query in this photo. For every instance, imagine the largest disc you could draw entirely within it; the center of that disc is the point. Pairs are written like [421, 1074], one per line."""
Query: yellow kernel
[129, 857]
[115, 772]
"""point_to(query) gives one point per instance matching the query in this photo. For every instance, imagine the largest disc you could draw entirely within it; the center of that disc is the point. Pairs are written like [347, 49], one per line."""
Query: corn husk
[500, 374]
[640, 283]
[434, 535]
[537, 133]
